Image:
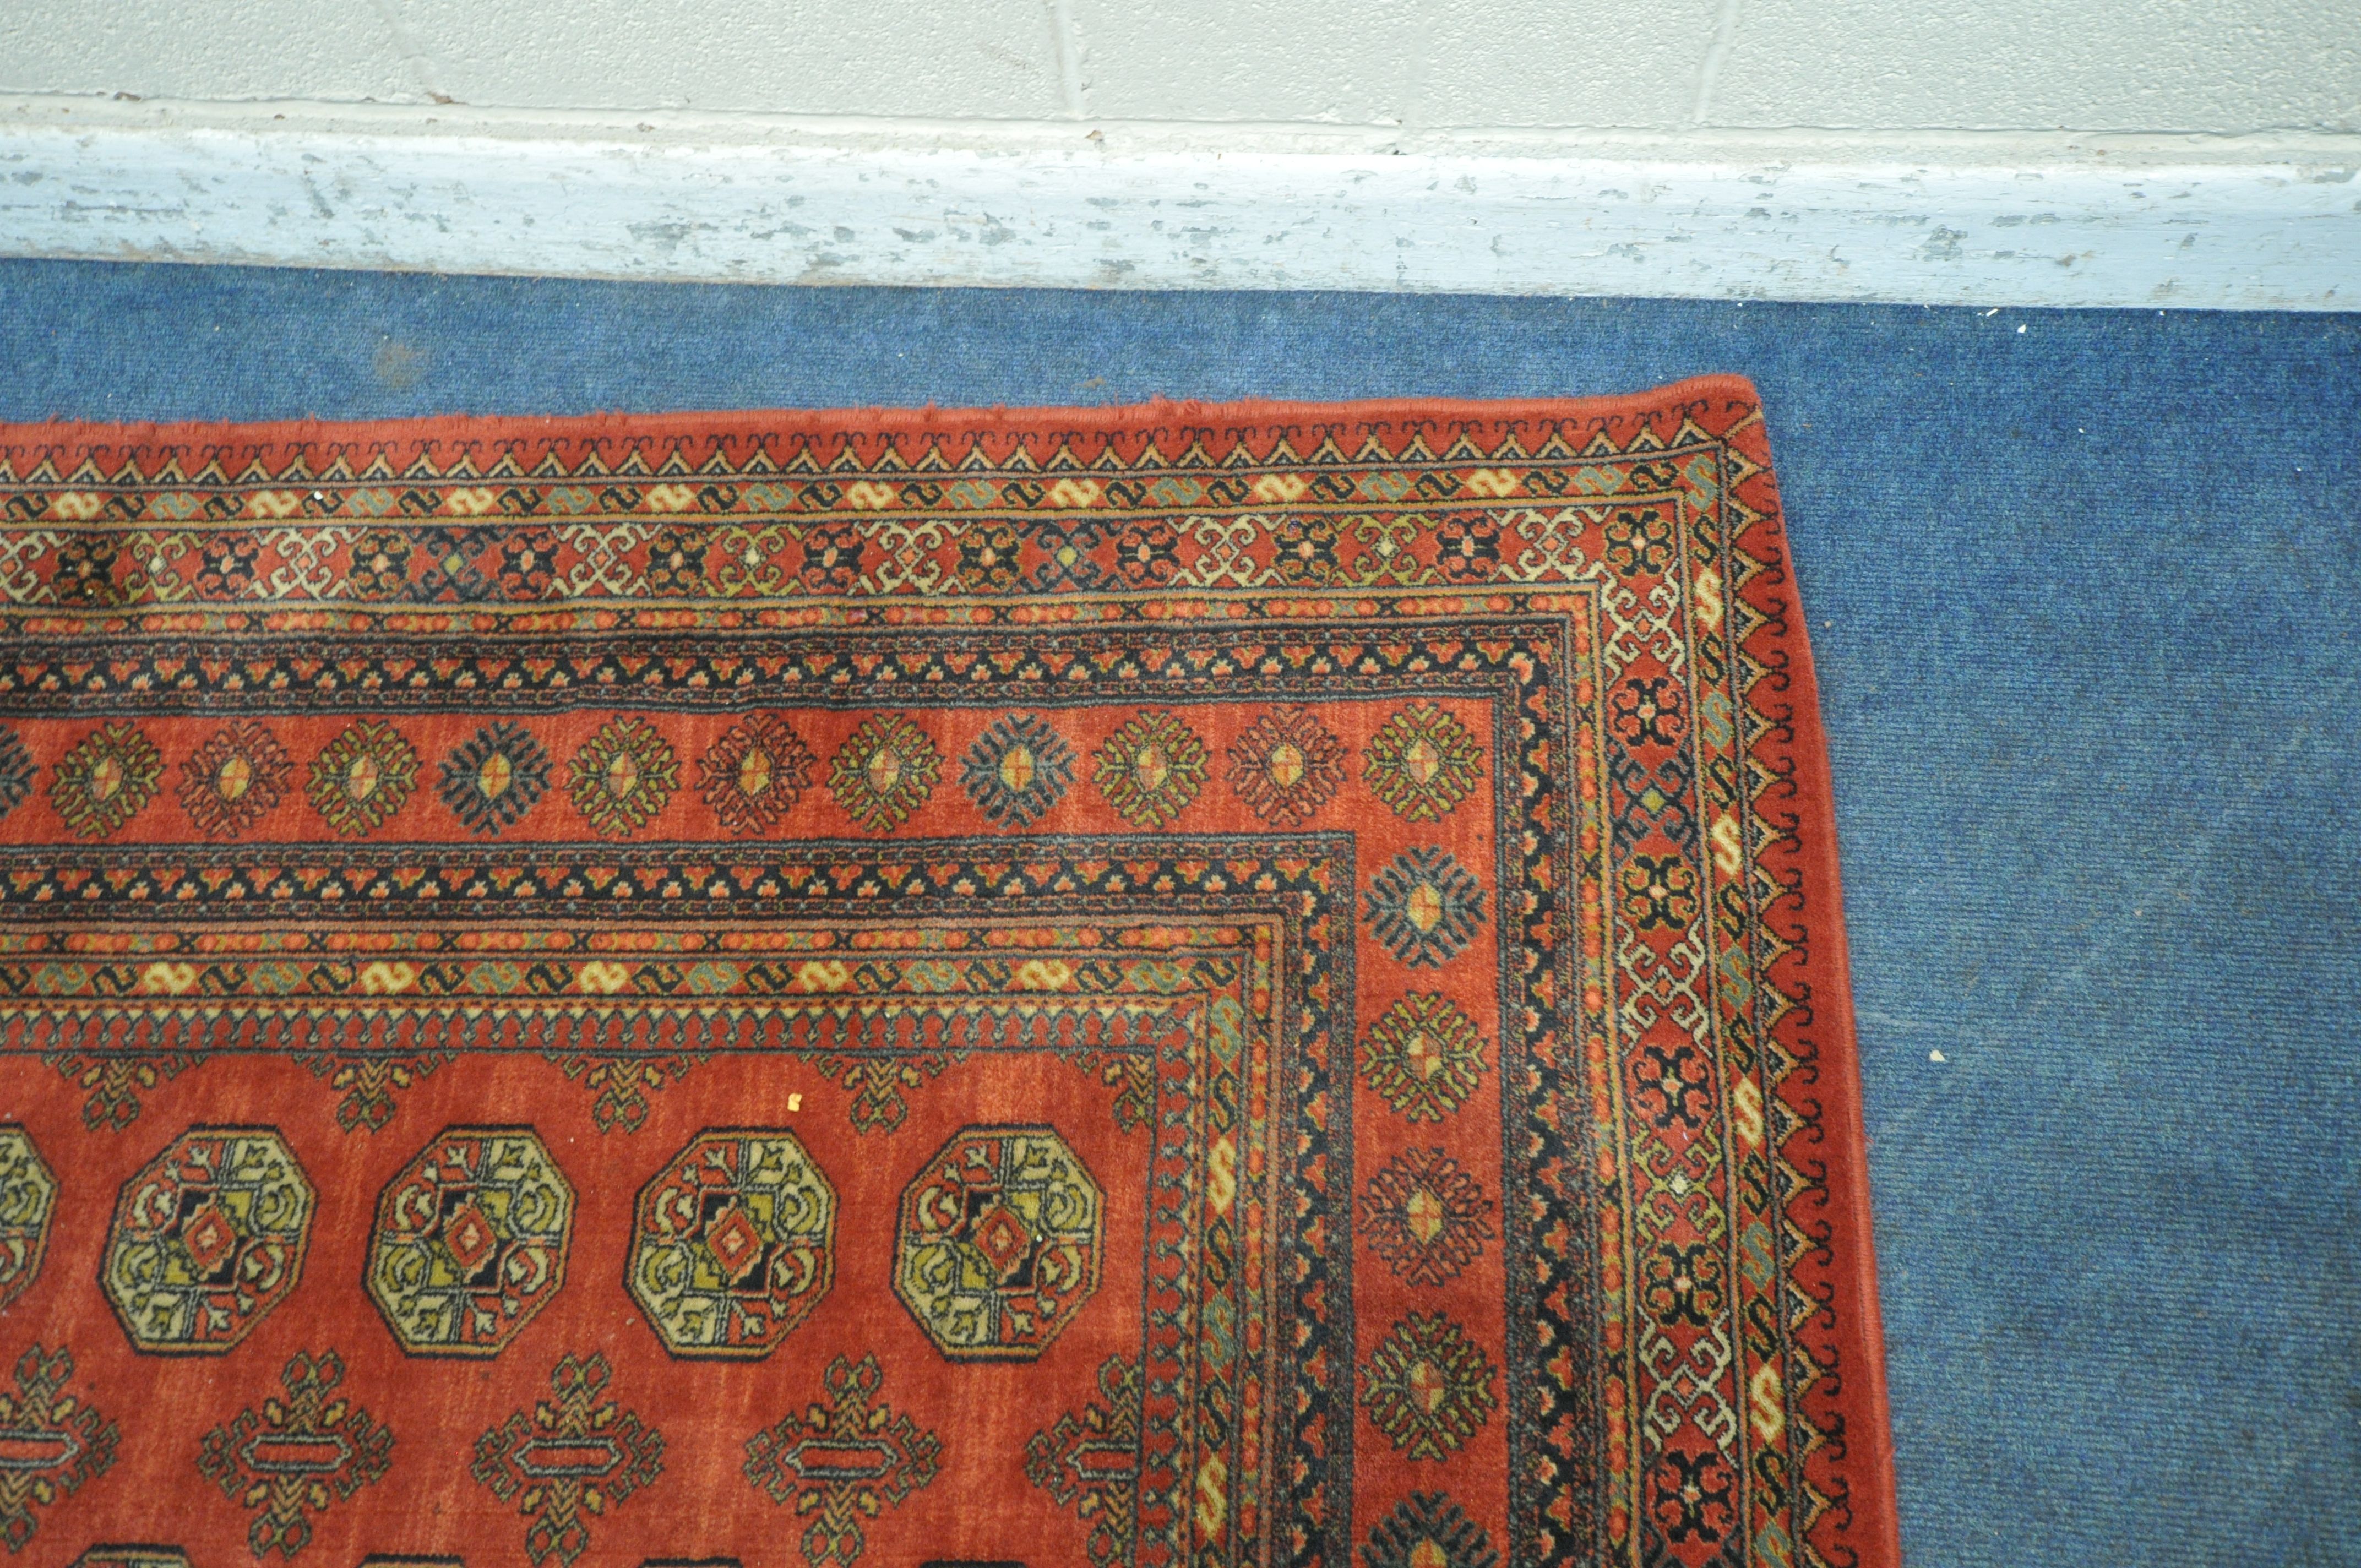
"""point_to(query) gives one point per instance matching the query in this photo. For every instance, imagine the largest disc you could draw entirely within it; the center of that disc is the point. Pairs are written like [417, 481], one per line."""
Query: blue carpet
[2083, 588]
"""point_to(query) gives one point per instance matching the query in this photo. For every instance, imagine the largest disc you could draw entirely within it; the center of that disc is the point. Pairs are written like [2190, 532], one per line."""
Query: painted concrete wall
[2229, 66]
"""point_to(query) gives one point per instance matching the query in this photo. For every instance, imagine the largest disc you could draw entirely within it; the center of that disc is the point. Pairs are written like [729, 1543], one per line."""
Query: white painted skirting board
[1967, 221]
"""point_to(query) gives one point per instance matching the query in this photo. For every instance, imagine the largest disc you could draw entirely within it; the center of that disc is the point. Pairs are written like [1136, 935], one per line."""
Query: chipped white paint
[1964, 219]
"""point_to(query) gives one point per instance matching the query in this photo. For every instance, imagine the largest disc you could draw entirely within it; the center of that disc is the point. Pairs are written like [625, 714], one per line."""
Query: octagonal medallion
[733, 1244]
[470, 1241]
[996, 1244]
[28, 1195]
[206, 1240]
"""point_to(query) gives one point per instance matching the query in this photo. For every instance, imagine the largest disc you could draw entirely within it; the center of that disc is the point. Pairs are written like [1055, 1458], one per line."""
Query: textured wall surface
[2085, 591]
[2014, 152]
[2028, 65]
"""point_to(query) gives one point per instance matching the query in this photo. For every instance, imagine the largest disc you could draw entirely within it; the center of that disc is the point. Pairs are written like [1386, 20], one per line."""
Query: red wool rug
[1255, 984]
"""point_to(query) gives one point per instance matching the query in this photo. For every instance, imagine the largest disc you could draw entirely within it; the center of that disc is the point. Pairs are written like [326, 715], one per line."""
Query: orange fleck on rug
[1256, 984]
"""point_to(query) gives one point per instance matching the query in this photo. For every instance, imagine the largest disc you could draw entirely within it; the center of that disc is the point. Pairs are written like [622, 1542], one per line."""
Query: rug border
[931, 418]
[1869, 1433]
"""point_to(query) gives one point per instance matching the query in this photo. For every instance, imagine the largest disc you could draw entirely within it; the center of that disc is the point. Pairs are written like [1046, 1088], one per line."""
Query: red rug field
[1177, 985]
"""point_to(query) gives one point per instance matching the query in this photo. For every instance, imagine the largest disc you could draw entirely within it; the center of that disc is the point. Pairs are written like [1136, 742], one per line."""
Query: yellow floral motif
[1150, 769]
[885, 772]
[623, 775]
[1424, 762]
[1428, 1387]
[1423, 1057]
[362, 777]
[102, 782]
